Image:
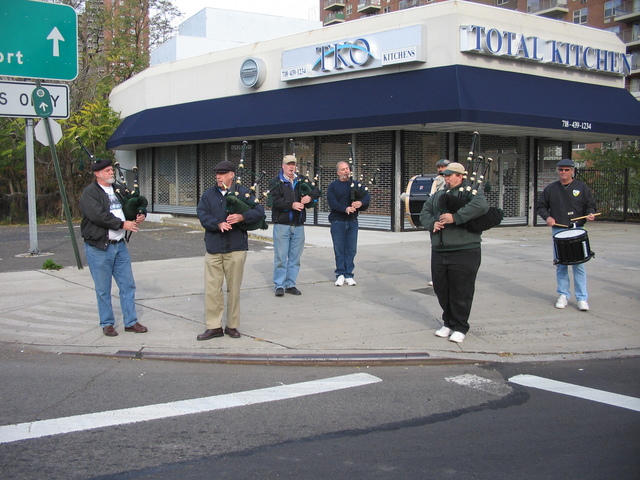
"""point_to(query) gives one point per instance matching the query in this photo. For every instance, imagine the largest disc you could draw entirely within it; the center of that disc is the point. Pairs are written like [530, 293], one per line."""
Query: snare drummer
[561, 201]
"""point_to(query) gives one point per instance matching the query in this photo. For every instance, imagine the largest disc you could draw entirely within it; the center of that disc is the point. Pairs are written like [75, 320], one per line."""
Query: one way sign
[16, 100]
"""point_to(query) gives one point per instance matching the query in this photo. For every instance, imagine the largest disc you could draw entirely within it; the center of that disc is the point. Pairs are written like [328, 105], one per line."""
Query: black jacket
[212, 211]
[282, 196]
[97, 218]
[563, 204]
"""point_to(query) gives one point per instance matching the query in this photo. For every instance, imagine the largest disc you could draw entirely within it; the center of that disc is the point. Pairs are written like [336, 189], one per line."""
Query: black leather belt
[116, 241]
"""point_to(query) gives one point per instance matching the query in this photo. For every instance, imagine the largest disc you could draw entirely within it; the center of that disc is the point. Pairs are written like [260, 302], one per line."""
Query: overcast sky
[306, 9]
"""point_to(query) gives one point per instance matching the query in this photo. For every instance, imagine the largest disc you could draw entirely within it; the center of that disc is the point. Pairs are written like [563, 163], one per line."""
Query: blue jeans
[579, 277]
[288, 243]
[104, 264]
[345, 243]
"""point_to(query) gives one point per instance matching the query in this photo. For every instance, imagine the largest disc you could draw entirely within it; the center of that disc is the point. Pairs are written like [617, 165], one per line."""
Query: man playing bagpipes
[290, 195]
[227, 243]
[346, 199]
[455, 251]
[103, 228]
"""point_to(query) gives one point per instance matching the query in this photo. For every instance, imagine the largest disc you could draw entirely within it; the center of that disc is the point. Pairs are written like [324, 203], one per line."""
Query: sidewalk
[389, 317]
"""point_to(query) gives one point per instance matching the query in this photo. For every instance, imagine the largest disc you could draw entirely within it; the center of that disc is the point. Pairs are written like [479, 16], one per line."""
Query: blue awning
[453, 98]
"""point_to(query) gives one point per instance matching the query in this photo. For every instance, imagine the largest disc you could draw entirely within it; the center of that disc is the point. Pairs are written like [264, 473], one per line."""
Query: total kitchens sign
[495, 42]
[408, 45]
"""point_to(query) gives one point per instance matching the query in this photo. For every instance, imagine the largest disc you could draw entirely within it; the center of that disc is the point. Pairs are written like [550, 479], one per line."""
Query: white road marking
[57, 426]
[480, 383]
[587, 393]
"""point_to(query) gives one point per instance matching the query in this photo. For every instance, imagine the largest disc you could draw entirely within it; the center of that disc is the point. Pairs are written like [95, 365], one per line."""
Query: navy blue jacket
[212, 211]
[339, 197]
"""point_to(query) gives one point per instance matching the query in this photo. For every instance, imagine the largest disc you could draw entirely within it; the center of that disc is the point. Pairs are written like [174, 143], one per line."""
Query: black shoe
[232, 332]
[211, 333]
[293, 291]
[279, 292]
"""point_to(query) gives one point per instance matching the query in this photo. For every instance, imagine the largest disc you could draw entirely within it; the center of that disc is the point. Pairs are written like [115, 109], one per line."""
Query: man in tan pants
[227, 243]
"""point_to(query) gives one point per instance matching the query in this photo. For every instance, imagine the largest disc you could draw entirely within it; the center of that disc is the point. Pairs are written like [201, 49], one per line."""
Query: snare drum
[418, 189]
[571, 247]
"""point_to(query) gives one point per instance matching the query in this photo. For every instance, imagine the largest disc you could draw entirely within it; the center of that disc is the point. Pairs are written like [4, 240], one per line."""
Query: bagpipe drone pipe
[360, 187]
[235, 202]
[475, 181]
[133, 204]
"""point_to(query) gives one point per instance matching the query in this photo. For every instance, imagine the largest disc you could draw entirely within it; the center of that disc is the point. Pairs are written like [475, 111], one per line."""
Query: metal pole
[65, 202]
[31, 189]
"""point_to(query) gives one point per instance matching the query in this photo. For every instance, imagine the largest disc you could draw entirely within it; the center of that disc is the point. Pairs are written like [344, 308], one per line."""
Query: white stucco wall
[216, 75]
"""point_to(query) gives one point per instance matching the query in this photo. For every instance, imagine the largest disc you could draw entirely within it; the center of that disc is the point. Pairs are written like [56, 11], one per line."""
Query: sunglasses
[564, 169]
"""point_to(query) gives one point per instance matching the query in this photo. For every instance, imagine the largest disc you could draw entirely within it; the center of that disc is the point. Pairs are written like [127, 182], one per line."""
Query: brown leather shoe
[211, 333]
[232, 332]
[109, 331]
[136, 328]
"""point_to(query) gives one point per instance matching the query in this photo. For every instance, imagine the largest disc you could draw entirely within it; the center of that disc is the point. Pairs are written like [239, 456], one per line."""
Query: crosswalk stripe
[57, 426]
[586, 393]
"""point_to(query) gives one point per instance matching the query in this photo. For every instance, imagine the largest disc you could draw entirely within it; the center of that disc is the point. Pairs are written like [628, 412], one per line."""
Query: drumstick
[560, 225]
[580, 218]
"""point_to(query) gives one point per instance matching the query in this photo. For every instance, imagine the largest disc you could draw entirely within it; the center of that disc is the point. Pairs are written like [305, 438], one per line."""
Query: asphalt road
[438, 422]
[154, 241]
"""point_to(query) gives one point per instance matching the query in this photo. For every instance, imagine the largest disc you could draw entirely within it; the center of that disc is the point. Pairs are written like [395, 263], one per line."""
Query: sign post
[42, 104]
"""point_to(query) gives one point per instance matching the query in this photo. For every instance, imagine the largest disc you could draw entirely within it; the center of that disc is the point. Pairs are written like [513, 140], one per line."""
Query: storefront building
[393, 94]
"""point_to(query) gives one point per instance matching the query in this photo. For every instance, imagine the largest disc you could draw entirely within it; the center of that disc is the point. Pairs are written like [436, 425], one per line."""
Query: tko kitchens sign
[501, 43]
[403, 45]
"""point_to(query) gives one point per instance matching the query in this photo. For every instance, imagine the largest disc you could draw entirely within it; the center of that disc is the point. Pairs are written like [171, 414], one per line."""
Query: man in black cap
[561, 201]
[227, 244]
[103, 227]
[438, 182]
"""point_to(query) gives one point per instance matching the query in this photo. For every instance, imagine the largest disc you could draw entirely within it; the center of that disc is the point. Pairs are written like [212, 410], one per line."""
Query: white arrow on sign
[57, 37]
[41, 132]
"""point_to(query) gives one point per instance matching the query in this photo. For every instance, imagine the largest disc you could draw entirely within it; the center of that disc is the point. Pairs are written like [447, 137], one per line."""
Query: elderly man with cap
[290, 195]
[560, 201]
[103, 230]
[226, 244]
[455, 253]
[438, 182]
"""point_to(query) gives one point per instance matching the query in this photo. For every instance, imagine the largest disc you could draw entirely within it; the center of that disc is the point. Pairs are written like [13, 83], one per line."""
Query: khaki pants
[218, 268]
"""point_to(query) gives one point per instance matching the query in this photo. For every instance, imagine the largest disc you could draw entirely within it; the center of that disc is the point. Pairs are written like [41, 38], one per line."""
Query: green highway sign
[38, 40]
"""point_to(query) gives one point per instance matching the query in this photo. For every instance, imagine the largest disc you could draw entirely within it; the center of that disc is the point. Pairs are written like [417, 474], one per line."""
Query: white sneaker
[431, 283]
[583, 305]
[443, 332]
[350, 281]
[562, 301]
[457, 337]
[340, 281]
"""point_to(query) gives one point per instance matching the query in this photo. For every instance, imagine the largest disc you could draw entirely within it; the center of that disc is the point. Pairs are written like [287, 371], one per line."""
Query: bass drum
[418, 189]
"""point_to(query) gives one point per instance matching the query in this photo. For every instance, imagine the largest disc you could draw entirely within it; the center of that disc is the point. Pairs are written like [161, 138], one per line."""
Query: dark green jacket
[454, 236]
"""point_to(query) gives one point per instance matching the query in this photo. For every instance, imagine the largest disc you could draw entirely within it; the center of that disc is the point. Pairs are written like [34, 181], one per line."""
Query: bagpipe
[472, 183]
[133, 204]
[360, 187]
[309, 183]
[235, 202]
